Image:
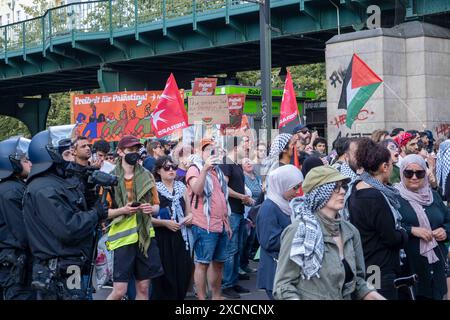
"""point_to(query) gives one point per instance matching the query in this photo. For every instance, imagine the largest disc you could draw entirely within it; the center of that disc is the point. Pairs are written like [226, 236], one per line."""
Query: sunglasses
[304, 131]
[174, 167]
[420, 174]
[340, 185]
[393, 148]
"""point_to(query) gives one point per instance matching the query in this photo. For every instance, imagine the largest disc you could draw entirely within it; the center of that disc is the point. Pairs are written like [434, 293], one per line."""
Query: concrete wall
[415, 66]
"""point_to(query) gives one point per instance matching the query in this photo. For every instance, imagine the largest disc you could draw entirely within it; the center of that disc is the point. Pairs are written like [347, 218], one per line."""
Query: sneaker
[229, 293]
[244, 277]
[248, 269]
[241, 271]
[240, 289]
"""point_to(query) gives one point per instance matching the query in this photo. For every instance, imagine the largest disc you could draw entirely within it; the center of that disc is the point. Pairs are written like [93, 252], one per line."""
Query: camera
[100, 178]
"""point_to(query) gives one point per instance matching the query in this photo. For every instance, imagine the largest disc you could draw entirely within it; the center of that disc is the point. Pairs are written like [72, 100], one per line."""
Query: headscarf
[309, 163]
[443, 163]
[281, 180]
[278, 145]
[417, 200]
[307, 246]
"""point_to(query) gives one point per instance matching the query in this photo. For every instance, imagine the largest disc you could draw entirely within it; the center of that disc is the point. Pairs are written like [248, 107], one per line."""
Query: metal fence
[102, 16]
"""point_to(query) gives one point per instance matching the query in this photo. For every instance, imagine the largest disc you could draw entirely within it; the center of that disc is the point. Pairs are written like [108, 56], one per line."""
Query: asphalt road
[255, 294]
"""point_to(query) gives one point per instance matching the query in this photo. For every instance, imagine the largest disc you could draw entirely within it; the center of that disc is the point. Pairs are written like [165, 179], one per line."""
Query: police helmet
[38, 154]
[47, 146]
[12, 151]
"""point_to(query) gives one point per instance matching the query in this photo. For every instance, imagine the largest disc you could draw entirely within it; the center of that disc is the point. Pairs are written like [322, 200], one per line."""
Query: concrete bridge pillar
[413, 59]
[31, 111]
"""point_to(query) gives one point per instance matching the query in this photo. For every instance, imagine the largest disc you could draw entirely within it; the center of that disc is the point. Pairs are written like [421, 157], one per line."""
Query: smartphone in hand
[135, 204]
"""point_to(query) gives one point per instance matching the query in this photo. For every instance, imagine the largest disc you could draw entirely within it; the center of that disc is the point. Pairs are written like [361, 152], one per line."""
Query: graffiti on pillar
[443, 129]
[109, 116]
[339, 120]
[337, 77]
[352, 135]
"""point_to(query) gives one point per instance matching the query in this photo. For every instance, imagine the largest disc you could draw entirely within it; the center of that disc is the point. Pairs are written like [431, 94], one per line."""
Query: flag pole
[404, 104]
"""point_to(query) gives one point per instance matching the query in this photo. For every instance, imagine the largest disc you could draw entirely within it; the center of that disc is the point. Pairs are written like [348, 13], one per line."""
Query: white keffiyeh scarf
[176, 208]
[308, 246]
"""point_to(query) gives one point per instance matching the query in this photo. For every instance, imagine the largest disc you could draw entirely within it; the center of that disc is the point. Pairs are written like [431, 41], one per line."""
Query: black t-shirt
[381, 242]
[235, 173]
[166, 203]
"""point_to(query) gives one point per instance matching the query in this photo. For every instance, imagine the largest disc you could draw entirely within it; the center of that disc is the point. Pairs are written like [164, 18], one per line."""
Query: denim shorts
[209, 246]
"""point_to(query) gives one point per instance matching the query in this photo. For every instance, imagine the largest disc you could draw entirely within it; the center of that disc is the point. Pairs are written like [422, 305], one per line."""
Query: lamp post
[265, 40]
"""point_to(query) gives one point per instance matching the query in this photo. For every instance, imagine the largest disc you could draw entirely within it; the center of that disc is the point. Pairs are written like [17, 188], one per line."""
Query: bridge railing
[100, 16]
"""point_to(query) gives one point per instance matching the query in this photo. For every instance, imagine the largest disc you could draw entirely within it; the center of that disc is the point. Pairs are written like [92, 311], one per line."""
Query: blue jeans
[235, 246]
[249, 240]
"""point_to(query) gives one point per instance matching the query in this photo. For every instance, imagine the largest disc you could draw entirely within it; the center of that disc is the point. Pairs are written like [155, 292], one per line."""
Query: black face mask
[132, 158]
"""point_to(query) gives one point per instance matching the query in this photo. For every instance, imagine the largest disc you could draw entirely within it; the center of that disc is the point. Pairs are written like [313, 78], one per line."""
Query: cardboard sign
[208, 110]
[204, 86]
[110, 116]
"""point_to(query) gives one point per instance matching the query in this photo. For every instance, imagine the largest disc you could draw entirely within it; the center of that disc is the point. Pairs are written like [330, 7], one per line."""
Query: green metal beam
[239, 27]
[122, 47]
[15, 65]
[89, 49]
[310, 11]
[31, 60]
[205, 32]
[63, 53]
[148, 42]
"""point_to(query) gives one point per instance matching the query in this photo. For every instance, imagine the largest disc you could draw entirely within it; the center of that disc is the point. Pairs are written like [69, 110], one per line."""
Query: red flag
[170, 114]
[289, 108]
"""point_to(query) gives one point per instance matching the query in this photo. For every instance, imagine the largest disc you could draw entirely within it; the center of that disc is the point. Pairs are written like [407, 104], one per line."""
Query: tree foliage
[304, 77]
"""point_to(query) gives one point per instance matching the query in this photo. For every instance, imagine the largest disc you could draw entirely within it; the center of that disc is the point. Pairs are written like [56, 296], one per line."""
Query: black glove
[101, 209]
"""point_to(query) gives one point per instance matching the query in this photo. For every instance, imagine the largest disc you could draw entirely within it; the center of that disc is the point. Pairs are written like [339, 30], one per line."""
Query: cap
[205, 142]
[322, 175]
[298, 127]
[403, 139]
[128, 141]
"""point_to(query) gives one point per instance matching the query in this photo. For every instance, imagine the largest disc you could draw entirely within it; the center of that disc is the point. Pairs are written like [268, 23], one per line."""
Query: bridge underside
[186, 65]
[142, 56]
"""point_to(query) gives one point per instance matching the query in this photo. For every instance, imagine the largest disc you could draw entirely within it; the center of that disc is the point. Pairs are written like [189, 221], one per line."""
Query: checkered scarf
[278, 145]
[391, 195]
[345, 169]
[176, 208]
[308, 246]
[443, 163]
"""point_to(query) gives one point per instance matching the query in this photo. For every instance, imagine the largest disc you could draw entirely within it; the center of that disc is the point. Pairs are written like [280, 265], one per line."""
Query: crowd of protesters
[320, 222]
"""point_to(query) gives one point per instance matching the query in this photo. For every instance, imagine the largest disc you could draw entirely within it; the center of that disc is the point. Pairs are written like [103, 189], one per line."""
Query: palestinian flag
[360, 83]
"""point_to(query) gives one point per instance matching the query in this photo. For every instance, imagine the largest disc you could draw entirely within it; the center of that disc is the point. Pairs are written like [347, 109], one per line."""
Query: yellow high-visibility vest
[124, 232]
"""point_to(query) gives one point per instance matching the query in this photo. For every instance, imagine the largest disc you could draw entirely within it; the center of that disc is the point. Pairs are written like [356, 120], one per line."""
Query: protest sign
[208, 110]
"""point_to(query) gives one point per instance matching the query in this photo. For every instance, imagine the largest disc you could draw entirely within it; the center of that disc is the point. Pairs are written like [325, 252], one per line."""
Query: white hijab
[281, 180]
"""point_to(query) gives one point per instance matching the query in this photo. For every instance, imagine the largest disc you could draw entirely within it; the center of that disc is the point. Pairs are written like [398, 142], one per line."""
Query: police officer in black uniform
[15, 257]
[59, 224]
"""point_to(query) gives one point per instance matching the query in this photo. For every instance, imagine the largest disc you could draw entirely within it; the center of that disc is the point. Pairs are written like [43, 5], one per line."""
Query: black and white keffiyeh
[345, 169]
[391, 195]
[278, 145]
[208, 188]
[443, 163]
[176, 209]
[308, 246]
